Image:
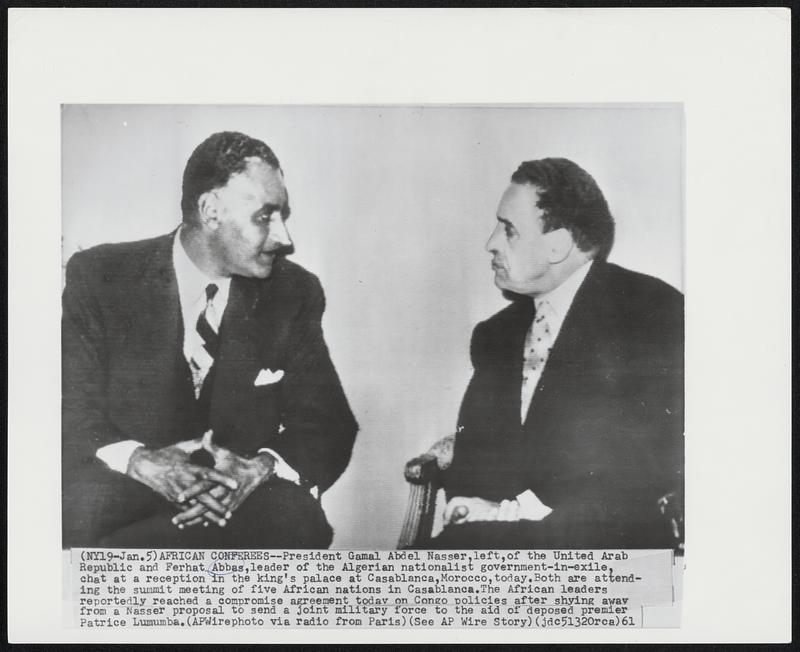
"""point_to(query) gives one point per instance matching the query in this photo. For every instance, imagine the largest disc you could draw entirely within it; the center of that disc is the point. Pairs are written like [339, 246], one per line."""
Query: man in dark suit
[571, 429]
[200, 405]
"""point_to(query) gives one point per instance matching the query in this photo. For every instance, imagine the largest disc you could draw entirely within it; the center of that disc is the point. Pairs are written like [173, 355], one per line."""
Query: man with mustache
[200, 406]
[571, 429]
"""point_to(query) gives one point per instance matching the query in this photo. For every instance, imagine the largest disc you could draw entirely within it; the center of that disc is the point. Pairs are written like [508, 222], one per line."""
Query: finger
[214, 505]
[190, 445]
[236, 499]
[210, 446]
[194, 490]
[188, 514]
[222, 494]
[508, 510]
[211, 517]
[182, 477]
[176, 488]
[195, 521]
[225, 498]
[197, 510]
[219, 492]
[220, 478]
[460, 513]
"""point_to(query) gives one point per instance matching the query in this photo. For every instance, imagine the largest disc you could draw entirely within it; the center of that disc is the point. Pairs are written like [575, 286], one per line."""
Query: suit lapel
[240, 352]
[509, 354]
[152, 340]
[253, 336]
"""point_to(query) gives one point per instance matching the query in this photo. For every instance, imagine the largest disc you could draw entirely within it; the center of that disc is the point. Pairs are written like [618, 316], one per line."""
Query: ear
[559, 245]
[208, 210]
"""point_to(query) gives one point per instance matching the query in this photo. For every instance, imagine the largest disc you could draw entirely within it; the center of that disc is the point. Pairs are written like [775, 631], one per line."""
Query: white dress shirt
[561, 298]
[192, 283]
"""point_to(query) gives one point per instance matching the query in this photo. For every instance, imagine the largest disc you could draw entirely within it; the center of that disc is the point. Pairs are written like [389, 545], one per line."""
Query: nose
[491, 243]
[279, 234]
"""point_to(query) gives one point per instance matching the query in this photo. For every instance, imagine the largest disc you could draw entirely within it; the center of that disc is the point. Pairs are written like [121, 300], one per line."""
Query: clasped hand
[204, 495]
[461, 509]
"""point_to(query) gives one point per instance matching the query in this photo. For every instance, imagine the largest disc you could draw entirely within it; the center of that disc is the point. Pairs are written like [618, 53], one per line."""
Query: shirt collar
[560, 298]
[192, 281]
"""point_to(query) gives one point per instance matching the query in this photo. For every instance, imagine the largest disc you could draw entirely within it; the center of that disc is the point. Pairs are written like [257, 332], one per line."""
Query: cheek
[249, 240]
[517, 257]
[524, 261]
[234, 244]
[257, 239]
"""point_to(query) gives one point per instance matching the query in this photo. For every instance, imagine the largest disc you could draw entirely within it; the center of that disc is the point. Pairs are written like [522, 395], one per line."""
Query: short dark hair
[214, 161]
[570, 198]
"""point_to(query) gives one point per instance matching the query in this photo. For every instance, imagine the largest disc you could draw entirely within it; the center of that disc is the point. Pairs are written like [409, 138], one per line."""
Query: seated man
[200, 406]
[571, 428]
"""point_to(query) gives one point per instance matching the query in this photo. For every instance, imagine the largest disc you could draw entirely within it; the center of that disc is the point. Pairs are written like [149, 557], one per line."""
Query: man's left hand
[248, 473]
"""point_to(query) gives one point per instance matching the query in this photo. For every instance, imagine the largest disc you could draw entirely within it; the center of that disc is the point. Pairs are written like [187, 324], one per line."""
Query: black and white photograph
[399, 325]
[500, 291]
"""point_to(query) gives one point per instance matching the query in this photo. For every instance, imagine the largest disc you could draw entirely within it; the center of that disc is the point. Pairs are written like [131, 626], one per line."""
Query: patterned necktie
[205, 351]
[207, 327]
[207, 323]
[203, 369]
[538, 343]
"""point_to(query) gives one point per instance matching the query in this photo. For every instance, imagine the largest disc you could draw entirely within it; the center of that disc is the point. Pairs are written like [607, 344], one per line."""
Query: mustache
[283, 250]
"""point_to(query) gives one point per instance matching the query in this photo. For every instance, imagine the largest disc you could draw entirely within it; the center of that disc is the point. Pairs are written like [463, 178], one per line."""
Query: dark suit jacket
[603, 440]
[122, 359]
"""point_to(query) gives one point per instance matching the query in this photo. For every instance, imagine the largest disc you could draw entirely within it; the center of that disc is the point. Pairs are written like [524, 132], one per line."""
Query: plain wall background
[391, 207]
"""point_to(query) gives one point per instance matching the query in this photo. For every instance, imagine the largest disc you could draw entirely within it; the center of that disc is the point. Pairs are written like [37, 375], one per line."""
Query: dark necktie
[205, 321]
[210, 339]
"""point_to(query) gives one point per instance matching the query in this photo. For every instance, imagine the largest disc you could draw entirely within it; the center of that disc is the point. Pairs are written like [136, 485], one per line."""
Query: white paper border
[730, 67]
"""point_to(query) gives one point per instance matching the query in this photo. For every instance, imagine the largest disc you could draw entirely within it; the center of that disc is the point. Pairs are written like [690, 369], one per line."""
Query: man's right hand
[168, 472]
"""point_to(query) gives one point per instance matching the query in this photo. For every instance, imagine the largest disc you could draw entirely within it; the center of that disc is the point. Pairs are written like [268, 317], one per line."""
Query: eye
[510, 230]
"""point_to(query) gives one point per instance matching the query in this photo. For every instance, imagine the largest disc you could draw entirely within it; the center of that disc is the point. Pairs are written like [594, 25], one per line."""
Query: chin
[256, 271]
[263, 273]
[509, 292]
[501, 284]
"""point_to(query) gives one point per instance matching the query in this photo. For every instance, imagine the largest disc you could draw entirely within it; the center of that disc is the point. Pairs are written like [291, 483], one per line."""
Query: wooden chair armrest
[423, 470]
[426, 475]
[428, 466]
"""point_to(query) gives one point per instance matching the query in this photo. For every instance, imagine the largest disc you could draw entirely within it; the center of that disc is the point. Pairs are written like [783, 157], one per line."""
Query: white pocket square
[268, 377]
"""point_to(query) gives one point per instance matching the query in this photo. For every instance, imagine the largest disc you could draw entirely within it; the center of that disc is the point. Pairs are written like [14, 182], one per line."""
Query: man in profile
[201, 408]
[571, 429]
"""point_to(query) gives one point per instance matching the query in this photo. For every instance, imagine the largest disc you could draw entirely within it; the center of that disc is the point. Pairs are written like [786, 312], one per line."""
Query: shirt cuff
[531, 508]
[116, 456]
[282, 469]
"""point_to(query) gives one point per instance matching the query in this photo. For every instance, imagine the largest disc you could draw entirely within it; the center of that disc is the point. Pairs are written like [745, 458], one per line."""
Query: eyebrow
[270, 208]
[505, 221]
